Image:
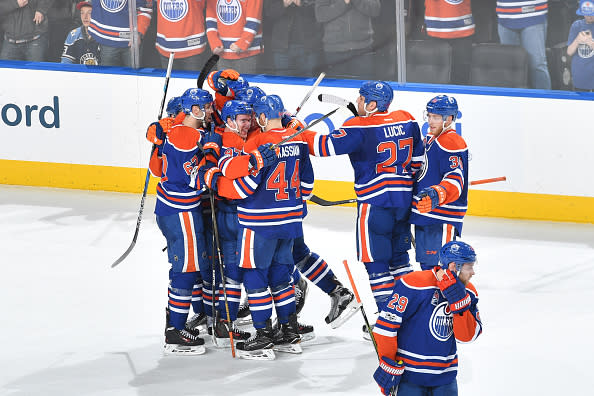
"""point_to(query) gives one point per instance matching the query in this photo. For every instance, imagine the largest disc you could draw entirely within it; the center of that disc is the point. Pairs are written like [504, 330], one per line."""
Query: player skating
[427, 313]
[441, 190]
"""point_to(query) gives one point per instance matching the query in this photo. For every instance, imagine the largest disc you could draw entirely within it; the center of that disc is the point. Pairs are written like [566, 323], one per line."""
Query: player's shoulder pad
[402, 115]
[471, 287]
[451, 141]
[183, 137]
[419, 280]
[231, 139]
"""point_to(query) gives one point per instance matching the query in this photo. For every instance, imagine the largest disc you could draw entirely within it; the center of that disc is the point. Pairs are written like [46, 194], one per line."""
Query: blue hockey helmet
[195, 97]
[233, 108]
[379, 91]
[249, 95]
[174, 106]
[270, 105]
[238, 84]
[456, 252]
[444, 106]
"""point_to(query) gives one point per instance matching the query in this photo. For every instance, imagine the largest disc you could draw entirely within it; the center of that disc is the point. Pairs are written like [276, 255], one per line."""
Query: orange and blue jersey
[235, 21]
[417, 327]
[180, 27]
[385, 150]
[514, 14]
[447, 165]
[180, 155]
[449, 19]
[271, 201]
[110, 22]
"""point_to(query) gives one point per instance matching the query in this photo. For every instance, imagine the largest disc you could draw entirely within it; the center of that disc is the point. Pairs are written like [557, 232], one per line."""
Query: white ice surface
[71, 325]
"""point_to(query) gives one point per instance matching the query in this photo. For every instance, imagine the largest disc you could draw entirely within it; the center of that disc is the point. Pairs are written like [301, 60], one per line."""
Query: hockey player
[416, 332]
[179, 217]
[385, 150]
[269, 216]
[441, 190]
[225, 83]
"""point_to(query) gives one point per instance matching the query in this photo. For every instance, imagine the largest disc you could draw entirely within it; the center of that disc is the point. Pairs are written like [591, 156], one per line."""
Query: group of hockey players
[235, 175]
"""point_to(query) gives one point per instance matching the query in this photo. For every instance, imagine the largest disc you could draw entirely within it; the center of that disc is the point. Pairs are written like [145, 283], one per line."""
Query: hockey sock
[233, 299]
[317, 271]
[207, 298]
[381, 286]
[180, 298]
[284, 302]
[260, 306]
[400, 271]
[197, 305]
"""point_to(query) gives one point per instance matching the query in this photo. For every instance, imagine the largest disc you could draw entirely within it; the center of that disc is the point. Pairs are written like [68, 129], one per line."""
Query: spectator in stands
[25, 28]
[452, 22]
[580, 46]
[180, 29]
[294, 35]
[526, 25]
[79, 46]
[61, 18]
[348, 36]
[110, 27]
[234, 31]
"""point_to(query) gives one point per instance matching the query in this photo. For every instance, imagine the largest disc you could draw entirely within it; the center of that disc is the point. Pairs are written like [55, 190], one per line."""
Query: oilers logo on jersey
[454, 2]
[441, 324]
[228, 11]
[173, 10]
[113, 5]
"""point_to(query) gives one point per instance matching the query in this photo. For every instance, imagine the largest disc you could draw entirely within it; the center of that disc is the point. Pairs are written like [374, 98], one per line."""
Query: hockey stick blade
[210, 63]
[337, 100]
[322, 202]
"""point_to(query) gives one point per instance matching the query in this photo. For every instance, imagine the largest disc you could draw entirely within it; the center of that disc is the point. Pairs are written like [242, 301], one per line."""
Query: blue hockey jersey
[180, 156]
[417, 327]
[110, 22]
[385, 150]
[446, 164]
[271, 199]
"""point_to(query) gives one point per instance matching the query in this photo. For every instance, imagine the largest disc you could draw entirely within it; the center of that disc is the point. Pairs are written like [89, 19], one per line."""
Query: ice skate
[221, 339]
[305, 331]
[191, 329]
[300, 294]
[366, 334]
[259, 347]
[287, 338]
[182, 343]
[196, 323]
[244, 316]
[343, 305]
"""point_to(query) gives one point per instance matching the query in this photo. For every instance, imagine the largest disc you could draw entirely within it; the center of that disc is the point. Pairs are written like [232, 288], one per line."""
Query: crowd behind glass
[339, 37]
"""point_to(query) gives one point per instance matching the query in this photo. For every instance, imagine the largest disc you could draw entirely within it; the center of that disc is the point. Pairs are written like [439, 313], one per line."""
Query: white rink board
[537, 143]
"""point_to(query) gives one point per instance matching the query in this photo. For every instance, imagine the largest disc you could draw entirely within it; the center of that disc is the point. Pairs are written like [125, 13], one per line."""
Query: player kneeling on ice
[270, 216]
[427, 313]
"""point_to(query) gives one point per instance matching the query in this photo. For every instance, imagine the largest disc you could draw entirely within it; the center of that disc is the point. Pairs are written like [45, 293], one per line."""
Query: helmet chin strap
[367, 113]
[258, 121]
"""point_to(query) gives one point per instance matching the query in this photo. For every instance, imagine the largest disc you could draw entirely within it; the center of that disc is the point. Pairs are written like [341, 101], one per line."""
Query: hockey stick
[148, 172]
[313, 87]
[322, 118]
[210, 63]
[215, 230]
[327, 98]
[346, 266]
[322, 202]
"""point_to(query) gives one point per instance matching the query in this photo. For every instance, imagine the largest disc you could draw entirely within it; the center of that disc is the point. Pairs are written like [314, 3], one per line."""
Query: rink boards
[72, 126]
